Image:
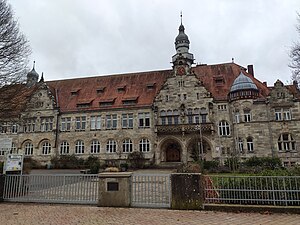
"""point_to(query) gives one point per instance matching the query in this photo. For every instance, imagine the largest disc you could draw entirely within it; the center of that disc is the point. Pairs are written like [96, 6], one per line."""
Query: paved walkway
[44, 214]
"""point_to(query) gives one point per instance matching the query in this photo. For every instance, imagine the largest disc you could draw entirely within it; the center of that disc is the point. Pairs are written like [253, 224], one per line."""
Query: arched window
[46, 148]
[111, 146]
[127, 146]
[64, 148]
[28, 148]
[250, 146]
[95, 147]
[286, 142]
[224, 128]
[79, 147]
[144, 145]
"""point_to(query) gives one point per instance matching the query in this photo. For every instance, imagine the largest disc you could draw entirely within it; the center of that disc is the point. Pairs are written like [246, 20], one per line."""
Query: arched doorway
[199, 149]
[171, 150]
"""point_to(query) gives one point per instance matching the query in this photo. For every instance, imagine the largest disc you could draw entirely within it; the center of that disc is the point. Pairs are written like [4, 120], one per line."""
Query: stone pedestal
[114, 189]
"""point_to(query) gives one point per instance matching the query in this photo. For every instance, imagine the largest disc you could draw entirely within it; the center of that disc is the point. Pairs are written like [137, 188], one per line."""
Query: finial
[232, 60]
[42, 77]
[181, 17]
[33, 64]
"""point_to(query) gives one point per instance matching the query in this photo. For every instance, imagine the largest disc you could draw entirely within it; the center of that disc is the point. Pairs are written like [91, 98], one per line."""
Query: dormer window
[121, 88]
[130, 100]
[219, 80]
[150, 86]
[75, 92]
[100, 90]
[107, 102]
[86, 103]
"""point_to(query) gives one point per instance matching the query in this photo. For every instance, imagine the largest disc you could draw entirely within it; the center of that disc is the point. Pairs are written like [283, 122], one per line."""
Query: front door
[173, 154]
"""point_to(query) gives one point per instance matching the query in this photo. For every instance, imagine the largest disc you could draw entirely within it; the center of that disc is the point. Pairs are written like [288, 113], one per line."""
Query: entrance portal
[173, 153]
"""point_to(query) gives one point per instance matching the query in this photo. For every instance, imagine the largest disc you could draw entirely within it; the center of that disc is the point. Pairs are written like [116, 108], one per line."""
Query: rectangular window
[80, 123]
[127, 120]
[247, 116]
[163, 120]
[203, 118]
[14, 128]
[144, 120]
[65, 124]
[286, 114]
[237, 117]
[95, 123]
[29, 125]
[46, 124]
[222, 107]
[176, 120]
[111, 121]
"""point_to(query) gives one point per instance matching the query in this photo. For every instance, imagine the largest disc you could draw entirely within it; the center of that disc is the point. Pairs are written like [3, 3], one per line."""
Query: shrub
[136, 160]
[232, 163]
[263, 162]
[190, 167]
[93, 164]
[1, 167]
[211, 166]
[67, 162]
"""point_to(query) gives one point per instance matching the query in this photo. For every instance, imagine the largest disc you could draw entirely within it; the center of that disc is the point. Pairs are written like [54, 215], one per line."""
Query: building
[209, 111]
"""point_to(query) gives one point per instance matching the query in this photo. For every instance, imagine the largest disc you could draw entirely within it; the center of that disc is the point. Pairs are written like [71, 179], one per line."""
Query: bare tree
[295, 56]
[14, 47]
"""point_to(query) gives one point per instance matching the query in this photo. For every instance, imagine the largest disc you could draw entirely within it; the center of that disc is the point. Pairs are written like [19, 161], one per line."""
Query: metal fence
[151, 190]
[82, 189]
[253, 190]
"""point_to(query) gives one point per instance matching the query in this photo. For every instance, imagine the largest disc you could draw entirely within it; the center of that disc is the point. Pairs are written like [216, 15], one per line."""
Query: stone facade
[211, 112]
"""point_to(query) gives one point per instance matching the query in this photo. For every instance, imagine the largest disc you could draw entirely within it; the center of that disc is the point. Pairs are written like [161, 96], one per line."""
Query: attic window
[219, 80]
[121, 88]
[150, 86]
[84, 103]
[130, 100]
[107, 102]
[75, 92]
[100, 90]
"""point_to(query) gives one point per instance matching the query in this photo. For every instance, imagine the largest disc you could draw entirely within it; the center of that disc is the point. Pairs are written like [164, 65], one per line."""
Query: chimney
[265, 83]
[250, 70]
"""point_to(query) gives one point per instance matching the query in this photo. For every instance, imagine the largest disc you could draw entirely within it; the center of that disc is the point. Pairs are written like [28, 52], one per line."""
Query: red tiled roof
[228, 71]
[136, 86]
[142, 87]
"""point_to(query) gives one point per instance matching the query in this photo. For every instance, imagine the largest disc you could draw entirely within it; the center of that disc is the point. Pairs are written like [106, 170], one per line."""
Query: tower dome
[32, 77]
[243, 87]
[182, 40]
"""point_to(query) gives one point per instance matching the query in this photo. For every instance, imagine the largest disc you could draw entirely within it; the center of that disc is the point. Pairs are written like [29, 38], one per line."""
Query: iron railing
[253, 190]
[151, 190]
[82, 189]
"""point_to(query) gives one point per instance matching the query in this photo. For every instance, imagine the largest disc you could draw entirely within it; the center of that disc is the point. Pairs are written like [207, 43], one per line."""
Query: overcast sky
[78, 38]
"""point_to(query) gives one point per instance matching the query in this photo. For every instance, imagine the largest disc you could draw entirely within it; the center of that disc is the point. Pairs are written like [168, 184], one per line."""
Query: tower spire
[180, 17]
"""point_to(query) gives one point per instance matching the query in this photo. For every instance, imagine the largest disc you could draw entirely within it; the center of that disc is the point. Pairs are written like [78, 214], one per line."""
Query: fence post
[187, 191]
[2, 178]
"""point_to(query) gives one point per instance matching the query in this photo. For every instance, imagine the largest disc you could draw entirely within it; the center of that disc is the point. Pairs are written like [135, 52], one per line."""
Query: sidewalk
[45, 214]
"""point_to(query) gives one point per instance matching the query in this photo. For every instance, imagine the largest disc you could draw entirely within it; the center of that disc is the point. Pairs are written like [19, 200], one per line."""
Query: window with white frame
[144, 145]
[95, 147]
[46, 148]
[237, 117]
[241, 145]
[127, 121]
[79, 147]
[111, 146]
[282, 114]
[64, 148]
[127, 146]
[224, 128]
[144, 120]
[46, 124]
[286, 142]
[250, 146]
[80, 123]
[29, 125]
[28, 149]
[111, 121]
[65, 124]
[163, 117]
[247, 115]
[95, 123]
[14, 128]
[13, 149]
[222, 107]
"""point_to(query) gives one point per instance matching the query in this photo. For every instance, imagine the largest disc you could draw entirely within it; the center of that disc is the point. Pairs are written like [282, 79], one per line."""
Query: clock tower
[182, 60]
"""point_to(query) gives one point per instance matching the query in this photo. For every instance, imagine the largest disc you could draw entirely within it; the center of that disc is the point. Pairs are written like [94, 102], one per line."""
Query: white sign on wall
[5, 143]
[13, 163]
